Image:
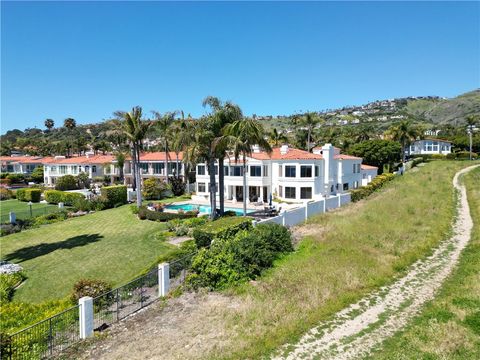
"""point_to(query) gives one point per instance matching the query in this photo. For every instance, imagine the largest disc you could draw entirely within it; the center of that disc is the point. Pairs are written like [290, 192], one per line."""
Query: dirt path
[357, 330]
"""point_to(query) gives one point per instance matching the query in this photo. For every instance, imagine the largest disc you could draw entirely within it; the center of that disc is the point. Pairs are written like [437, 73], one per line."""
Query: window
[53, 169]
[63, 169]
[317, 171]
[358, 168]
[265, 170]
[305, 193]
[74, 169]
[355, 184]
[290, 171]
[201, 170]
[143, 168]
[87, 168]
[225, 170]
[345, 186]
[435, 146]
[354, 168]
[290, 192]
[172, 168]
[94, 168]
[237, 171]
[305, 171]
[280, 191]
[158, 168]
[255, 170]
[201, 187]
[280, 170]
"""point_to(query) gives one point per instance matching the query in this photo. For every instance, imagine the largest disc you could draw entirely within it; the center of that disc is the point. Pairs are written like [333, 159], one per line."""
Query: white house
[368, 173]
[287, 174]
[430, 146]
[20, 164]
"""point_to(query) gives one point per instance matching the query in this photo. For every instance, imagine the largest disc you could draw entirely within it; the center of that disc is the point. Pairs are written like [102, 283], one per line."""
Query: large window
[345, 187]
[94, 168]
[201, 170]
[255, 170]
[143, 167]
[317, 171]
[305, 171]
[280, 191]
[53, 169]
[435, 146]
[63, 169]
[75, 171]
[158, 168]
[290, 192]
[290, 171]
[237, 171]
[305, 193]
[225, 170]
[358, 168]
[265, 170]
[172, 168]
[201, 187]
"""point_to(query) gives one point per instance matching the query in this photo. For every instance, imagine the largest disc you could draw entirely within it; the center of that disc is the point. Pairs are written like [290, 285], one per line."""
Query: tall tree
[471, 123]
[164, 123]
[120, 158]
[184, 138]
[241, 136]
[308, 122]
[135, 129]
[404, 132]
[276, 138]
[49, 124]
[69, 123]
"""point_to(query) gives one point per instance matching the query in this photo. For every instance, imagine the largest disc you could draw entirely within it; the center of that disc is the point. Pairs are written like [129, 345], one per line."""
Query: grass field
[449, 326]
[22, 210]
[112, 245]
[343, 256]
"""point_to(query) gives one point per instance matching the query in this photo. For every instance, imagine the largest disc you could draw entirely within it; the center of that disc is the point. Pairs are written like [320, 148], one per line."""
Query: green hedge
[145, 214]
[32, 195]
[114, 195]
[218, 229]
[57, 196]
[376, 184]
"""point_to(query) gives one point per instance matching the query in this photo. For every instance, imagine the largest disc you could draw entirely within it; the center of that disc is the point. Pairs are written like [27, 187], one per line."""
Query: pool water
[204, 209]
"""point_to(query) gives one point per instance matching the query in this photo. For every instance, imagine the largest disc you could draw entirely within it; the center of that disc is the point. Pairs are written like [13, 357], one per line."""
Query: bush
[56, 196]
[114, 196]
[7, 285]
[177, 185]
[376, 183]
[219, 229]
[7, 229]
[81, 205]
[50, 218]
[134, 209]
[4, 175]
[89, 287]
[5, 182]
[144, 213]
[32, 195]
[16, 178]
[229, 213]
[465, 155]
[232, 260]
[66, 182]
[153, 189]
[37, 175]
[5, 194]
[438, 157]
[450, 156]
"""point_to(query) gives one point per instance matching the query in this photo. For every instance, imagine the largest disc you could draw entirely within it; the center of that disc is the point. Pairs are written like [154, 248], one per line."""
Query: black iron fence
[44, 339]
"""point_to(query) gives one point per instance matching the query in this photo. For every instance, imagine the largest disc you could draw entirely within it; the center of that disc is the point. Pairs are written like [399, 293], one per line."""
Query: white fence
[299, 215]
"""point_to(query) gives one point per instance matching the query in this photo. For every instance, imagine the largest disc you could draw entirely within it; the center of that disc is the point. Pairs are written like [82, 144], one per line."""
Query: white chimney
[57, 157]
[284, 149]
[329, 163]
[256, 148]
[88, 154]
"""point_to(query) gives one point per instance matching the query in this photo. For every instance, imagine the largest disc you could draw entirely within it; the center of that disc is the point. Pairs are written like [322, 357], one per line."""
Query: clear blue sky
[87, 59]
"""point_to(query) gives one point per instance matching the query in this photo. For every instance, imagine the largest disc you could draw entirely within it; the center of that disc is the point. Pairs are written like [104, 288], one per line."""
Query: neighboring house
[368, 173]
[152, 165]
[429, 146]
[93, 165]
[20, 164]
[287, 174]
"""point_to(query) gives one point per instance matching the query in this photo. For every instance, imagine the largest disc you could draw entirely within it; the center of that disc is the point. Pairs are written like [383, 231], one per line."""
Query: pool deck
[237, 205]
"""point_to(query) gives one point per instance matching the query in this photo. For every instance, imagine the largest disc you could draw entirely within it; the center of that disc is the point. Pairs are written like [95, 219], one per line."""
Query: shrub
[153, 189]
[5, 182]
[438, 157]
[465, 155]
[144, 213]
[5, 194]
[16, 178]
[66, 182]
[177, 185]
[50, 218]
[89, 287]
[450, 156]
[219, 229]
[376, 183]
[229, 213]
[82, 204]
[37, 175]
[4, 175]
[114, 196]
[32, 195]
[7, 285]
[56, 196]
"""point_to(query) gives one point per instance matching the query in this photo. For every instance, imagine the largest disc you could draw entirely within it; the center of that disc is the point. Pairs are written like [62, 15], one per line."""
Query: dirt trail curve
[355, 331]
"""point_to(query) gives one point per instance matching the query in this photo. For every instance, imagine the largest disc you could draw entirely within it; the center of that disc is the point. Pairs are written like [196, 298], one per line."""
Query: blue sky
[87, 59]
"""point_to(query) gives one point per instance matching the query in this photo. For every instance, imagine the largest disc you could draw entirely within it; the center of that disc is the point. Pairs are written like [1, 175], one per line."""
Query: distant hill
[445, 111]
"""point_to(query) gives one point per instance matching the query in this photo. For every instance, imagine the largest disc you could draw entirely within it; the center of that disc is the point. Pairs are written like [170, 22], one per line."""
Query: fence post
[163, 279]
[339, 200]
[86, 316]
[306, 212]
[13, 217]
[324, 205]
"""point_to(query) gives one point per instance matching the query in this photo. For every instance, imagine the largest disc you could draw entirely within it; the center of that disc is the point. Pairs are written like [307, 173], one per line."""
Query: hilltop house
[287, 174]
[20, 164]
[152, 165]
[429, 146]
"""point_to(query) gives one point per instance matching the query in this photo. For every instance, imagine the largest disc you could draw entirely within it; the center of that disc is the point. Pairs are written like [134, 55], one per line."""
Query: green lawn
[343, 256]
[449, 326]
[112, 245]
[22, 210]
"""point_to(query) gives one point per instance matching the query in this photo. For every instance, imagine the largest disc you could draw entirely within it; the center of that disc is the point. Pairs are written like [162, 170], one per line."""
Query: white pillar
[86, 316]
[339, 200]
[324, 205]
[283, 218]
[163, 279]
[306, 211]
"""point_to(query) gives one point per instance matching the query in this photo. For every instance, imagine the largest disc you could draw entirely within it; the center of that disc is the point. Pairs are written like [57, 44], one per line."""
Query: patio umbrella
[270, 200]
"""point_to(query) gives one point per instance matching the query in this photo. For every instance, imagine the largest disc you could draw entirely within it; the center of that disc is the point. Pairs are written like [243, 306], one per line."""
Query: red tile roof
[346, 157]
[368, 167]
[23, 159]
[91, 159]
[160, 156]
[291, 154]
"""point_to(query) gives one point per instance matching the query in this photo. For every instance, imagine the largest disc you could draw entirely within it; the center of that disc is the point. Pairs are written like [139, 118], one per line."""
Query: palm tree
[164, 123]
[49, 124]
[184, 138]
[241, 136]
[120, 159]
[471, 122]
[223, 113]
[275, 137]
[404, 132]
[69, 123]
[309, 121]
[135, 130]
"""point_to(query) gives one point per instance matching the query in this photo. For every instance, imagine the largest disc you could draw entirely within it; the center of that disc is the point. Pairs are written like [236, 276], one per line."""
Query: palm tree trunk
[134, 168]
[186, 168]
[221, 193]
[244, 186]
[139, 187]
[166, 161]
[403, 151]
[308, 140]
[213, 202]
[176, 164]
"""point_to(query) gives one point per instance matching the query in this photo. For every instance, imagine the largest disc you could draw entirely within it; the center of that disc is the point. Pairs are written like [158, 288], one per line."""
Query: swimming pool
[204, 209]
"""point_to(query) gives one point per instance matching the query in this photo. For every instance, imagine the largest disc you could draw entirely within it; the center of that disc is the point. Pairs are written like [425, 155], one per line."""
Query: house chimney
[256, 148]
[329, 163]
[284, 149]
